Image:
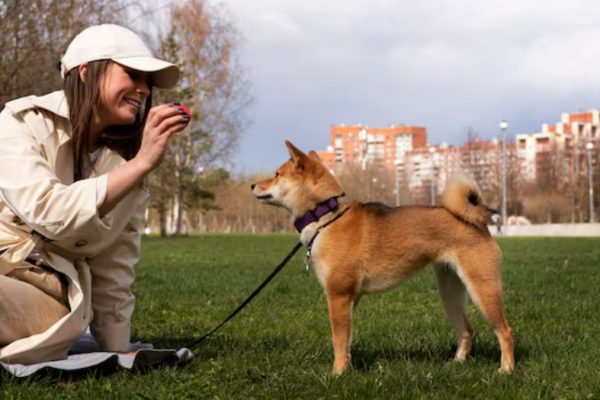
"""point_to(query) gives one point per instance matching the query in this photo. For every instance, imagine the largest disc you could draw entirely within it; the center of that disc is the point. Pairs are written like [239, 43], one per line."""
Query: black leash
[249, 299]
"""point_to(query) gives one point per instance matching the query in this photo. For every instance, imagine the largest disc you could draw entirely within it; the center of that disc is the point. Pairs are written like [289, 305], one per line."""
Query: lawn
[279, 347]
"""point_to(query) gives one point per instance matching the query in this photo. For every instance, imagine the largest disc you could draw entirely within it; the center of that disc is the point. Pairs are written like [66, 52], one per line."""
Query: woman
[72, 167]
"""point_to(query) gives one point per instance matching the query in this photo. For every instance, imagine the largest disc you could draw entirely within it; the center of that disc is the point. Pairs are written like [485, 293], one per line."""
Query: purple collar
[314, 215]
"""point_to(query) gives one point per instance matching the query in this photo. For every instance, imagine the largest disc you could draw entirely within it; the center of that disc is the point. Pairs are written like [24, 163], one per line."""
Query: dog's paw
[506, 370]
[339, 368]
[460, 358]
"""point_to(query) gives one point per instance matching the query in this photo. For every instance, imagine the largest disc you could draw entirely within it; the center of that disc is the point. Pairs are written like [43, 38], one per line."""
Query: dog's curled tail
[463, 198]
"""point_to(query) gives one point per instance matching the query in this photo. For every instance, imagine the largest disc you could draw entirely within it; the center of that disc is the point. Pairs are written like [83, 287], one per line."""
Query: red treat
[185, 109]
[182, 106]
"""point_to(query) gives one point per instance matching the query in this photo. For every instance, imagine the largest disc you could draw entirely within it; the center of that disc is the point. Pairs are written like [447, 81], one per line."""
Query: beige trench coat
[42, 209]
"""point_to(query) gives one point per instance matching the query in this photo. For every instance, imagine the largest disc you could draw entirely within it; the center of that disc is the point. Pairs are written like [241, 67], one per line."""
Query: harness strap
[319, 229]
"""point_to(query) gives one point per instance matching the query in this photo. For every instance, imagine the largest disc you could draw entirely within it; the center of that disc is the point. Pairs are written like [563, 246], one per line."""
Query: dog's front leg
[340, 315]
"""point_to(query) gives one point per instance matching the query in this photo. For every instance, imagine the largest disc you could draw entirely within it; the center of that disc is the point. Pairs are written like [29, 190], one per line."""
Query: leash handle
[249, 299]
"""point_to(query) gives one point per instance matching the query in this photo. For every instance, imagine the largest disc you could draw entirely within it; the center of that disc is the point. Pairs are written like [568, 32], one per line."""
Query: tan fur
[463, 198]
[372, 248]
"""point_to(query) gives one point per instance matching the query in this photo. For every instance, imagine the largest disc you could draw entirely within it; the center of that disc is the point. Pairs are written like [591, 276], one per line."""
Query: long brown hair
[84, 100]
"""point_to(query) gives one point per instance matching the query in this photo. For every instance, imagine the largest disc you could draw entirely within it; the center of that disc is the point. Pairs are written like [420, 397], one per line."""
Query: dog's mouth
[265, 197]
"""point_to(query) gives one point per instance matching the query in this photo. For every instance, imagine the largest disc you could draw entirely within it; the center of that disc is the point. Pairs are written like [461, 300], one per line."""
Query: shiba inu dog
[357, 249]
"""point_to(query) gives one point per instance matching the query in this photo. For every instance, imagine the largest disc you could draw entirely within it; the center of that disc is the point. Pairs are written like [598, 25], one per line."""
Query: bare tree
[239, 211]
[545, 200]
[35, 33]
[374, 183]
[579, 177]
[214, 86]
[472, 156]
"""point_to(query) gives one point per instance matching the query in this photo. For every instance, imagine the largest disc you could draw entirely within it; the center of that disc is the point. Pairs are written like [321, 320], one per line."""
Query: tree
[239, 211]
[34, 35]
[374, 183]
[161, 182]
[472, 160]
[215, 88]
[544, 199]
[579, 178]
[482, 160]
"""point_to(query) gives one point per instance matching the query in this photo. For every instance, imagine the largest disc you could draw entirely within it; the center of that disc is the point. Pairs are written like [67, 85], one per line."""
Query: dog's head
[299, 184]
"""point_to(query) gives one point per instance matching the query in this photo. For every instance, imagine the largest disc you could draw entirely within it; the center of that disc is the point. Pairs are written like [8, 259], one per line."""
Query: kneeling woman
[72, 199]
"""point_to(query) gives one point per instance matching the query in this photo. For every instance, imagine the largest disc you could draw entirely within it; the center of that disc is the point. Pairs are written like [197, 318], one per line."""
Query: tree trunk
[162, 221]
[178, 214]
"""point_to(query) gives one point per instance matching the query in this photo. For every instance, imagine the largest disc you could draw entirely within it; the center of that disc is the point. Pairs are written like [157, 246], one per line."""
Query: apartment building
[404, 150]
[557, 143]
[556, 152]
[482, 160]
[362, 144]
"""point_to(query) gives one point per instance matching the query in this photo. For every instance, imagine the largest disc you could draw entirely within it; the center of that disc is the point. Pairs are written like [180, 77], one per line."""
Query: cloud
[445, 65]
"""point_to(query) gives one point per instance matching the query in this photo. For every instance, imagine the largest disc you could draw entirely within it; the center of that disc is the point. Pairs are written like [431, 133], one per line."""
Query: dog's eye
[276, 174]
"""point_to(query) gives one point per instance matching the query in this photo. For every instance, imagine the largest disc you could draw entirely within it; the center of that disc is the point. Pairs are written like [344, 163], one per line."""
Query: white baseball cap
[113, 42]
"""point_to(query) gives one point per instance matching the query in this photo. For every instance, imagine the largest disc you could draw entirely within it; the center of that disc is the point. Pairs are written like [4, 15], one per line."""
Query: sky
[447, 65]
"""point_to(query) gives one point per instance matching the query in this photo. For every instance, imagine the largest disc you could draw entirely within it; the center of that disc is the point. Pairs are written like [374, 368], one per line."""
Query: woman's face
[122, 94]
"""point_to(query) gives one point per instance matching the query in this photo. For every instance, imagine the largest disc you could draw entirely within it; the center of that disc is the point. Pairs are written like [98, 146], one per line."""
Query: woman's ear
[83, 71]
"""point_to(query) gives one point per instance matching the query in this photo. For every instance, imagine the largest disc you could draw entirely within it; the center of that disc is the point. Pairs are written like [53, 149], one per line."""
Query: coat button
[80, 243]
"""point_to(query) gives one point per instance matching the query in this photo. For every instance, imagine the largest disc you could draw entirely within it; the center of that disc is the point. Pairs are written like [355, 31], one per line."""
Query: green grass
[279, 347]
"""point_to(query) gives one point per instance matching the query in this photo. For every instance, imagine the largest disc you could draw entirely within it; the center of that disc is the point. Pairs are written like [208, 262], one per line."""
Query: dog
[358, 249]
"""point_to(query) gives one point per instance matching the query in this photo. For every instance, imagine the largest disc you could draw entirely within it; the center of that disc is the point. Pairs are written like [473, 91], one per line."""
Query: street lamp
[431, 152]
[397, 164]
[503, 128]
[364, 146]
[589, 148]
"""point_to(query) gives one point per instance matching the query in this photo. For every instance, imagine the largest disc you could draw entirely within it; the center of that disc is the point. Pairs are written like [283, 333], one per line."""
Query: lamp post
[589, 147]
[431, 152]
[397, 180]
[503, 128]
[364, 145]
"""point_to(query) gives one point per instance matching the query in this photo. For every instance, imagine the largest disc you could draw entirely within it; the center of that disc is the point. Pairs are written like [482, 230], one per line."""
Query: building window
[338, 141]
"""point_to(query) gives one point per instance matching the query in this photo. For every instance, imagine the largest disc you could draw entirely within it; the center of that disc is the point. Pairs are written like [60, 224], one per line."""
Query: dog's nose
[253, 186]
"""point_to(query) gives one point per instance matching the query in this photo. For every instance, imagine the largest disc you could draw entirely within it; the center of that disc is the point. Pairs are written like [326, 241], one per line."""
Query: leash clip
[307, 261]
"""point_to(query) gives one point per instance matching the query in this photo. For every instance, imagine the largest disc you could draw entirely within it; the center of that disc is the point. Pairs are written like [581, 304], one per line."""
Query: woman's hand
[163, 121]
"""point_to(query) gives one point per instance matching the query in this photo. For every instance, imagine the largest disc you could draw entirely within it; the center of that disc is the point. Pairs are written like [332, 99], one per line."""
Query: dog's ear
[313, 154]
[297, 156]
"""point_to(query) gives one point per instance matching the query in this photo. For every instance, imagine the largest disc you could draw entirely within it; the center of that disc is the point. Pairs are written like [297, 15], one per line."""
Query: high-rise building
[553, 147]
[553, 155]
[361, 144]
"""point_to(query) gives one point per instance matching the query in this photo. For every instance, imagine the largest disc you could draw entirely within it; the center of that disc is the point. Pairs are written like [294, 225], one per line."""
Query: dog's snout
[253, 186]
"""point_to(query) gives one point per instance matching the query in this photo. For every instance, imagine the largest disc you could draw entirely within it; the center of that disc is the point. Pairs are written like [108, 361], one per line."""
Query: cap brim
[165, 75]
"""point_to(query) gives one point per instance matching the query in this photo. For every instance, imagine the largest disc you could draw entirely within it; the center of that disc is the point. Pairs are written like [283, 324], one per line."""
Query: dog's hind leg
[479, 267]
[454, 298]
[356, 301]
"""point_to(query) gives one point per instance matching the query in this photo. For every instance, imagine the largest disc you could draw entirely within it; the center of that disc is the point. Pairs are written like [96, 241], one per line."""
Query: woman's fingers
[155, 115]
[177, 122]
[160, 113]
[163, 121]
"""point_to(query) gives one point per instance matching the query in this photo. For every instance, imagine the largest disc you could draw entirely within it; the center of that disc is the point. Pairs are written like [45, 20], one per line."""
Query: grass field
[279, 347]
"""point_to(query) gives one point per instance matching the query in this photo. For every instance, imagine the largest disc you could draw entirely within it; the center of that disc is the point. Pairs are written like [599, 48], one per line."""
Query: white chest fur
[321, 270]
